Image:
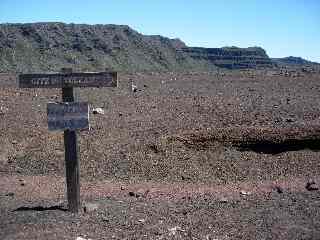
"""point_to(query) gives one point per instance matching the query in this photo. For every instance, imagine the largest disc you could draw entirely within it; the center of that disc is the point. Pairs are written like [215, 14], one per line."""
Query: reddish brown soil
[49, 187]
[159, 211]
[184, 146]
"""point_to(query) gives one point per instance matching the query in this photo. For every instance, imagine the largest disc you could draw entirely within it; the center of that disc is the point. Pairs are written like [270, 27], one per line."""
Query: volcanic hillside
[42, 47]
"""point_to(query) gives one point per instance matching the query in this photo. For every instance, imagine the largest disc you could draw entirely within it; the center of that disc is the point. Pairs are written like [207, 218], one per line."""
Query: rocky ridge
[45, 47]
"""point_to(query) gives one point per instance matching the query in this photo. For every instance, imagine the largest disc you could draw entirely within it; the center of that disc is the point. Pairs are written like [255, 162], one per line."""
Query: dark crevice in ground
[40, 209]
[260, 146]
[265, 141]
[269, 147]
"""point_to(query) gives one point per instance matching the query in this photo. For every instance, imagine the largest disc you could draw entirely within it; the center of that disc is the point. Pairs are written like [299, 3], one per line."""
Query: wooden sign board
[66, 80]
[68, 116]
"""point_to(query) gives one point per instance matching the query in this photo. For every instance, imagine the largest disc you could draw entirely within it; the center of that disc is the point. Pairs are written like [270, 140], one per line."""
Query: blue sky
[282, 27]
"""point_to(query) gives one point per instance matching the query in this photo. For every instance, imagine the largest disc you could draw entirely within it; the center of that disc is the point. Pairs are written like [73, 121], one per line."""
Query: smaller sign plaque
[68, 116]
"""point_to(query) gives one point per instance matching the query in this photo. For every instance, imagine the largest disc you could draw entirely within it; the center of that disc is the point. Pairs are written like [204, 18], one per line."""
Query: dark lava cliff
[231, 57]
[39, 47]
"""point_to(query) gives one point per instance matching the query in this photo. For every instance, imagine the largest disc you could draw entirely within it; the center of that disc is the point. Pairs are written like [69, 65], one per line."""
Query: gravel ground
[270, 210]
[181, 129]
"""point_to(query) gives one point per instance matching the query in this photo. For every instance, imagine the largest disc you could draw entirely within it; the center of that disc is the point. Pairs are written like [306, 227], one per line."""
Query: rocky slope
[294, 61]
[42, 47]
[232, 57]
[50, 46]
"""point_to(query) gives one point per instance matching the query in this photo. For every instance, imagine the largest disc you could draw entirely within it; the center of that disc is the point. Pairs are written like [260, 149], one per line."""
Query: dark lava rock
[278, 189]
[312, 186]
[10, 194]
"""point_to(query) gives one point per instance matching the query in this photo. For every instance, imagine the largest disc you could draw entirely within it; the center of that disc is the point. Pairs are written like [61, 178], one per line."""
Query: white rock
[245, 193]
[3, 109]
[141, 220]
[173, 231]
[90, 207]
[134, 88]
[224, 200]
[81, 238]
[98, 111]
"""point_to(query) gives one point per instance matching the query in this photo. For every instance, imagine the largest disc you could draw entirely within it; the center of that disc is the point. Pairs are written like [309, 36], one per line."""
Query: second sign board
[68, 116]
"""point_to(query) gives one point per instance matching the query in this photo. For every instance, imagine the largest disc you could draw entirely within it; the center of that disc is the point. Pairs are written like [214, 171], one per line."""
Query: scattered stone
[245, 193]
[22, 182]
[142, 220]
[3, 109]
[278, 189]
[90, 207]
[10, 194]
[134, 87]
[98, 111]
[312, 186]
[14, 142]
[81, 238]
[224, 200]
[174, 230]
[289, 120]
[143, 193]
[183, 178]
[132, 194]
[154, 148]
[139, 193]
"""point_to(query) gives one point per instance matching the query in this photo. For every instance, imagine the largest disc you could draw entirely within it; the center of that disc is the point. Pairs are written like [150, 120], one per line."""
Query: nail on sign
[68, 116]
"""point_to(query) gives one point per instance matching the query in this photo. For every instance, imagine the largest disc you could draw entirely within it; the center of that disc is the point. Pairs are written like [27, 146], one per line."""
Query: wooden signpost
[69, 116]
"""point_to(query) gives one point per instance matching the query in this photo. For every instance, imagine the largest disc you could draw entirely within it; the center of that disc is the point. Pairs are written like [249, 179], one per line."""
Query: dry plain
[188, 156]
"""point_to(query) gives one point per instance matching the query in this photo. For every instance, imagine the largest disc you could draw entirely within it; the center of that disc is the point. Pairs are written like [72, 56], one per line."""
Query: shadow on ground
[269, 147]
[41, 208]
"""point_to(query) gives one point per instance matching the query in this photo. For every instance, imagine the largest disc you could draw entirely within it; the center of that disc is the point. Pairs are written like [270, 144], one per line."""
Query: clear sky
[282, 27]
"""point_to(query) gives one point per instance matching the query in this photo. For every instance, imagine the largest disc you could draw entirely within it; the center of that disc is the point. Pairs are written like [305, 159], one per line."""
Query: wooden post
[71, 156]
[60, 117]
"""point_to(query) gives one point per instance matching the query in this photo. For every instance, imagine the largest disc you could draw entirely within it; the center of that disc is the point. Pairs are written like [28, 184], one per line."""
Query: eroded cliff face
[293, 61]
[39, 47]
[232, 57]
